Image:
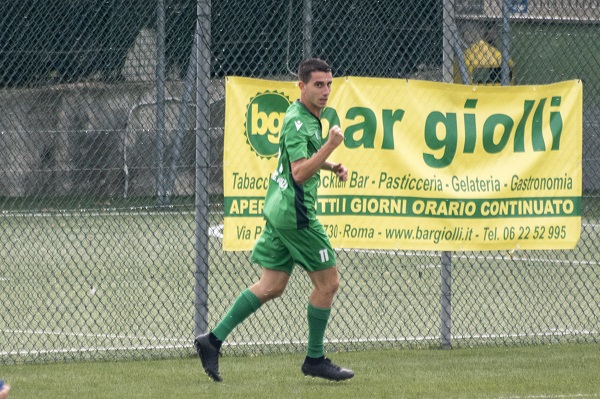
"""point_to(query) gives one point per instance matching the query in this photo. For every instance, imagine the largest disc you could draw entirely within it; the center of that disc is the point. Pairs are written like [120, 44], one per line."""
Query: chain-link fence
[111, 138]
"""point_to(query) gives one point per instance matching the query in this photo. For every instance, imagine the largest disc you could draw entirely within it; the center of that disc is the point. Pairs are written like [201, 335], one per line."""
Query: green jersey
[290, 205]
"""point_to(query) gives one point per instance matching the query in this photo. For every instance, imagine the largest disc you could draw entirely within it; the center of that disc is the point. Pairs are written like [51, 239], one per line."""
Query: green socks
[248, 303]
[317, 322]
[245, 304]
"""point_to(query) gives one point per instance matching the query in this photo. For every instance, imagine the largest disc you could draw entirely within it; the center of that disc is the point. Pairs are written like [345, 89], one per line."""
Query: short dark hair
[310, 65]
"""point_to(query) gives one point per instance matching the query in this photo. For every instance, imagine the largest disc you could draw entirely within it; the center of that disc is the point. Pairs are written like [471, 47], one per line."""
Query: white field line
[92, 349]
[179, 343]
[188, 343]
[92, 335]
[133, 211]
[419, 339]
[507, 257]
[551, 332]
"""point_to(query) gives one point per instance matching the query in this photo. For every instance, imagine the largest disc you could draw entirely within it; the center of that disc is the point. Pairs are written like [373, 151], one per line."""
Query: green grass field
[119, 286]
[523, 372]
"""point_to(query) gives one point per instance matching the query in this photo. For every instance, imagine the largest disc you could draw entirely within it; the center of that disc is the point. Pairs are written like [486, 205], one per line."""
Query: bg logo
[264, 118]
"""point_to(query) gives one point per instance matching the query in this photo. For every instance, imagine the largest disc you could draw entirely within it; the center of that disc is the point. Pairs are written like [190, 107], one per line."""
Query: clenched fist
[336, 137]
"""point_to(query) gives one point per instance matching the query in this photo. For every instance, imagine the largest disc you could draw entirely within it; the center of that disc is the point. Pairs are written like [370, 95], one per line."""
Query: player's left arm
[340, 170]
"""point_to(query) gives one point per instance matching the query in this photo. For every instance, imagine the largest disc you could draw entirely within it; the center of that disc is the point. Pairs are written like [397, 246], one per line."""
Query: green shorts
[279, 249]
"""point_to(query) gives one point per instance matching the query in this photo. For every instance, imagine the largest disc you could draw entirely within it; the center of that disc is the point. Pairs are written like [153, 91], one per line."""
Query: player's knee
[334, 286]
[272, 292]
[331, 287]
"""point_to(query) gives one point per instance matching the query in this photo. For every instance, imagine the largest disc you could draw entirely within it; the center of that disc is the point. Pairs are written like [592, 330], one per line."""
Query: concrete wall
[88, 139]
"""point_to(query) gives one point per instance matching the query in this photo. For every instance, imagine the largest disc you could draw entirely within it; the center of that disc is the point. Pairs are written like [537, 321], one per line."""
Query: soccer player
[292, 233]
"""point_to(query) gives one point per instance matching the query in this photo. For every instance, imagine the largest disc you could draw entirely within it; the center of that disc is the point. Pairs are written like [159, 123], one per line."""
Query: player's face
[315, 93]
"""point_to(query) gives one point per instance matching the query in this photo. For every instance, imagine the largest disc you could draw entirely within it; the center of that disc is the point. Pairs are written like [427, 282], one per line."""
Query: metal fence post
[160, 102]
[446, 301]
[203, 40]
[451, 50]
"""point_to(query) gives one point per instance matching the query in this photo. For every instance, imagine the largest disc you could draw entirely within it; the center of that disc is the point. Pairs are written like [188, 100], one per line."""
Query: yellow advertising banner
[432, 166]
